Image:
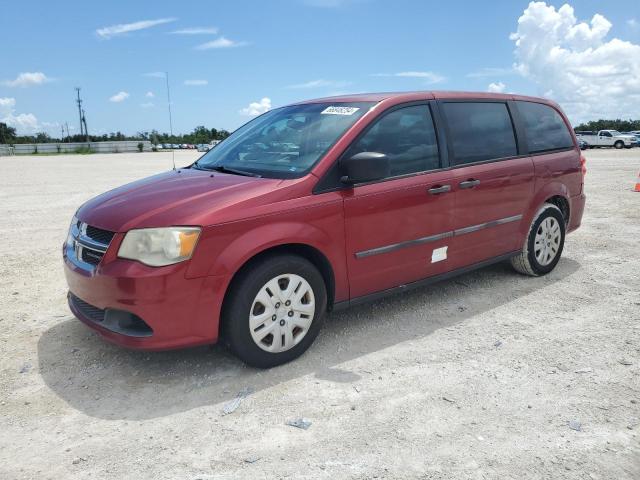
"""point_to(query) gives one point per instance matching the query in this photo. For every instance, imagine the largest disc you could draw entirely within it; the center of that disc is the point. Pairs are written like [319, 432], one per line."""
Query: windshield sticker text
[339, 110]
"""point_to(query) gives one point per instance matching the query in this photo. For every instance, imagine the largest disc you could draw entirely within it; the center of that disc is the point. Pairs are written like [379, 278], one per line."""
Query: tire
[619, 144]
[287, 332]
[535, 261]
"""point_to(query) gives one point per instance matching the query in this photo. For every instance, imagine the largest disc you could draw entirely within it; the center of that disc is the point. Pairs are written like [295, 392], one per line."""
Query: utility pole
[173, 157]
[79, 102]
[67, 125]
[86, 130]
[61, 133]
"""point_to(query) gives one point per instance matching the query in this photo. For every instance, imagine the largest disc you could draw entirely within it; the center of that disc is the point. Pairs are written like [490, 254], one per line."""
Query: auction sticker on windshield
[340, 110]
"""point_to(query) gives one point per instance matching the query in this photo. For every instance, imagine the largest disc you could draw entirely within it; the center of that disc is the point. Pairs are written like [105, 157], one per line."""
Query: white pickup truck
[607, 138]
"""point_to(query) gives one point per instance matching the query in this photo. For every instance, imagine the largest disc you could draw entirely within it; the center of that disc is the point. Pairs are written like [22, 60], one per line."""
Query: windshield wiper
[223, 169]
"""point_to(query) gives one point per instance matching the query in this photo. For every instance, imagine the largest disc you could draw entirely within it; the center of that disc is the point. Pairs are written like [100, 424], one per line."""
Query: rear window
[480, 131]
[544, 127]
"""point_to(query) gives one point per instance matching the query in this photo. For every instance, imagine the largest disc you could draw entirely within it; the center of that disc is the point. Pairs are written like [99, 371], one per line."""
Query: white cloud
[196, 83]
[428, 77]
[196, 31]
[321, 84]
[220, 42]
[149, 95]
[147, 105]
[491, 72]
[27, 79]
[124, 28]
[633, 23]
[257, 108]
[496, 87]
[23, 122]
[7, 104]
[119, 97]
[155, 74]
[574, 63]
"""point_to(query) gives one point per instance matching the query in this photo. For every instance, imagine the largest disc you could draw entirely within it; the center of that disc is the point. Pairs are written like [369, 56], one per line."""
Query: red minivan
[320, 205]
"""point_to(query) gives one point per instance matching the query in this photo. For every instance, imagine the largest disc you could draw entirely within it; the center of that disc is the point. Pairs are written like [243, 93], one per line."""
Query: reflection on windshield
[286, 142]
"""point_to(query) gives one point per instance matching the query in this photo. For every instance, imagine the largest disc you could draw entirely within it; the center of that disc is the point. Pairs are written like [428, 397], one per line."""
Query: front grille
[91, 256]
[88, 244]
[86, 310]
[99, 235]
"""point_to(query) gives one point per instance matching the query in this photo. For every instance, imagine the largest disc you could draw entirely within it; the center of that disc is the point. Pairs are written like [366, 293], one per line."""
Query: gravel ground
[489, 375]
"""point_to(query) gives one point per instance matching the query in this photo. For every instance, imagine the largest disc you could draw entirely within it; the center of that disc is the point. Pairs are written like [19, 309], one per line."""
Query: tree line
[620, 125]
[200, 134]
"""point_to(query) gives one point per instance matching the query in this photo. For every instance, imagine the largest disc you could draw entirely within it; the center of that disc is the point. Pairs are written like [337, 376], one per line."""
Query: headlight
[158, 247]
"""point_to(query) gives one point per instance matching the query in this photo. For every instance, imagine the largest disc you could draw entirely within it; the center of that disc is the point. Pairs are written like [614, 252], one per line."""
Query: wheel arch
[555, 193]
[311, 253]
[563, 204]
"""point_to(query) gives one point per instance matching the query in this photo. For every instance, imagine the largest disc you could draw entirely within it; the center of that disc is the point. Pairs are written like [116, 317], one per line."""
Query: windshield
[285, 142]
[614, 132]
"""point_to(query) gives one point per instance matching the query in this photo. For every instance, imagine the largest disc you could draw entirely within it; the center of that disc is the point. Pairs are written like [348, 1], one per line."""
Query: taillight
[583, 164]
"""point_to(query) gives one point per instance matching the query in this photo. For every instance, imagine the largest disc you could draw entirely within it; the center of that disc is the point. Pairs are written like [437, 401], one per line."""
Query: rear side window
[479, 131]
[407, 136]
[544, 127]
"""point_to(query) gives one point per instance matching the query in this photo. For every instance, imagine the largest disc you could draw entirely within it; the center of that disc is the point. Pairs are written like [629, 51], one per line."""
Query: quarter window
[479, 131]
[544, 127]
[408, 138]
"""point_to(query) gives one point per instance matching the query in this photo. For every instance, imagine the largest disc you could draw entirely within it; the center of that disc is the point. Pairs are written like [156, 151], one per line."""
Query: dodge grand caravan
[320, 205]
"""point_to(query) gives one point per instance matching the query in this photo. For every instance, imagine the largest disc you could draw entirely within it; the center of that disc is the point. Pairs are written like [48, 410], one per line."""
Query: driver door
[398, 229]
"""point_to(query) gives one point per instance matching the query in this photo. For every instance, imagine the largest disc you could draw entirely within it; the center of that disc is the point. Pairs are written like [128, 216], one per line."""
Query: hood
[181, 197]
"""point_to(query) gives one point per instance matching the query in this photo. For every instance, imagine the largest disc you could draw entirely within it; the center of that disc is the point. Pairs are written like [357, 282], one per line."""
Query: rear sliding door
[493, 180]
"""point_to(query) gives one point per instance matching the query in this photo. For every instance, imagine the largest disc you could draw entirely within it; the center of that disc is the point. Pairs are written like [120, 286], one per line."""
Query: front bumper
[178, 311]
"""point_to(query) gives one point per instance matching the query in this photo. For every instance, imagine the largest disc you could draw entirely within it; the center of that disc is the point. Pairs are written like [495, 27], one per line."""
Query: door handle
[439, 189]
[469, 183]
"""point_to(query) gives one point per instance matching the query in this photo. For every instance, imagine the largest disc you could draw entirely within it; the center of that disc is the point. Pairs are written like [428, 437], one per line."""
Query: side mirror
[365, 167]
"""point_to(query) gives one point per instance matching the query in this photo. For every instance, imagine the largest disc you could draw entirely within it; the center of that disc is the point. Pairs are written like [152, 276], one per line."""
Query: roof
[399, 97]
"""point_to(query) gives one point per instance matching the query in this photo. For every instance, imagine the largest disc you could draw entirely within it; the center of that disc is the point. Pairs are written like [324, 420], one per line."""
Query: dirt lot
[490, 375]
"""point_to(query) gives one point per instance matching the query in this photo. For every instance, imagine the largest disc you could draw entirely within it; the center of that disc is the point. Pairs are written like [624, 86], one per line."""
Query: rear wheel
[544, 243]
[619, 144]
[275, 310]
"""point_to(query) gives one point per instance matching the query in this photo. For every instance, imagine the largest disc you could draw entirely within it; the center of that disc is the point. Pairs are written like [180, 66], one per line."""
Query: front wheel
[543, 246]
[275, 310]
[619, 144]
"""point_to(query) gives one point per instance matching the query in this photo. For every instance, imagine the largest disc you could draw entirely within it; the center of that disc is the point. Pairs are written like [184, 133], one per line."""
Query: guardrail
[96, 147]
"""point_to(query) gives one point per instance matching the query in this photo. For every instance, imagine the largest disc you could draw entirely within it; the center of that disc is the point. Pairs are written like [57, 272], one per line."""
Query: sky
[230, 60]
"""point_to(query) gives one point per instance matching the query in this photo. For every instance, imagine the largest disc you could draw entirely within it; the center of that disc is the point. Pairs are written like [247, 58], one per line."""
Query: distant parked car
[203, 147]
[583, 145]
[159, 146]
[634, 134]
[607, 138]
